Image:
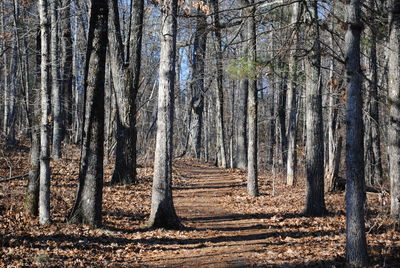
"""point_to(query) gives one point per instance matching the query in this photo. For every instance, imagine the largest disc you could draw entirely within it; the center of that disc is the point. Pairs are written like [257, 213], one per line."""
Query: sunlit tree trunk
[394, 109]
[252, 107]
[163, 214]
[291, 107]
[44, 177]
[55, 81]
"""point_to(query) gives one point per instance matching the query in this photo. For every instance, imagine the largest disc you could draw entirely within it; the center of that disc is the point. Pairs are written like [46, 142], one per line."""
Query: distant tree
[356, 245]
[163, 214]
[88, 202]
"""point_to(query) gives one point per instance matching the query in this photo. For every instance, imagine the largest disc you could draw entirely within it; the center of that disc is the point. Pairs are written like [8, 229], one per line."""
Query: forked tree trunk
[163, 214]
[44, 191]
[356, 245]
[394, 109]
[88, 202]
[126, 83]
[315, 201]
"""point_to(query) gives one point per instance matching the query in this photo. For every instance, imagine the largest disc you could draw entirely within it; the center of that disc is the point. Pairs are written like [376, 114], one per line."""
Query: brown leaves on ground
[225, 227]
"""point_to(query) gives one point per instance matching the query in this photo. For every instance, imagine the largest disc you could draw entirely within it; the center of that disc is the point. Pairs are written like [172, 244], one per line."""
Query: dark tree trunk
[66, 68]
[163, 214]
[315, 201]
[197, 84]
[356, 245]
[88, 202]
[126, 84]
[32, 194]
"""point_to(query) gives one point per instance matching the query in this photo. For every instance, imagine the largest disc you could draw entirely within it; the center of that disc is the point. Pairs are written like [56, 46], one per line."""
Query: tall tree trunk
[66, 68]
[197, 84]
[372, 150]
[315, 201]
[44, 177]
[252, 150]
[241, 147]
[291, 107]
[5, 70]
[334, 140]
[88, 202]
[394, 109]
[32, 194]
[163, 213]
[219, 115]
[55, 81]
[356, 246]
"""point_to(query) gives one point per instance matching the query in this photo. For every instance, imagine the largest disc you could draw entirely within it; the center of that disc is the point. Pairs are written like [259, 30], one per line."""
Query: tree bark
[252, 149]
[291, 107]
[88, 202]
[126, 84]
[44, 177]
[356, 246]
[315, 201]
[163, 213]
[55, 81]
[32, 194]
[394, 109]
[66, 68]
[219, 115]
[197, 84]
[241, 147]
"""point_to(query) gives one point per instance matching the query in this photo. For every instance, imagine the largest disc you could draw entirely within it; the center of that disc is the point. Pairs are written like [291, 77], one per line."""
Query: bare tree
[394, 110]
[88, 202]
[163, 214]
[315, 202]
[356, 246]
[44, 191]
[55, 81]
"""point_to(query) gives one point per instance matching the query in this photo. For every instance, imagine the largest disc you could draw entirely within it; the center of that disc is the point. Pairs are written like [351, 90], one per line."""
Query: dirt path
[227, 239]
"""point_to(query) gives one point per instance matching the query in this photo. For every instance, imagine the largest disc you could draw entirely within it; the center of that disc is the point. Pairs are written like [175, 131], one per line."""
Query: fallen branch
[15, 178]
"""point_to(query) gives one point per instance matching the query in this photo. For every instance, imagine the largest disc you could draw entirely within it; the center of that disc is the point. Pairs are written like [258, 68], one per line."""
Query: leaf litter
[223, 226]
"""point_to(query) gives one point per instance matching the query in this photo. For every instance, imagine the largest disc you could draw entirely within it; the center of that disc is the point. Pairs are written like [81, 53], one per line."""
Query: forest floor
[224, 226]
